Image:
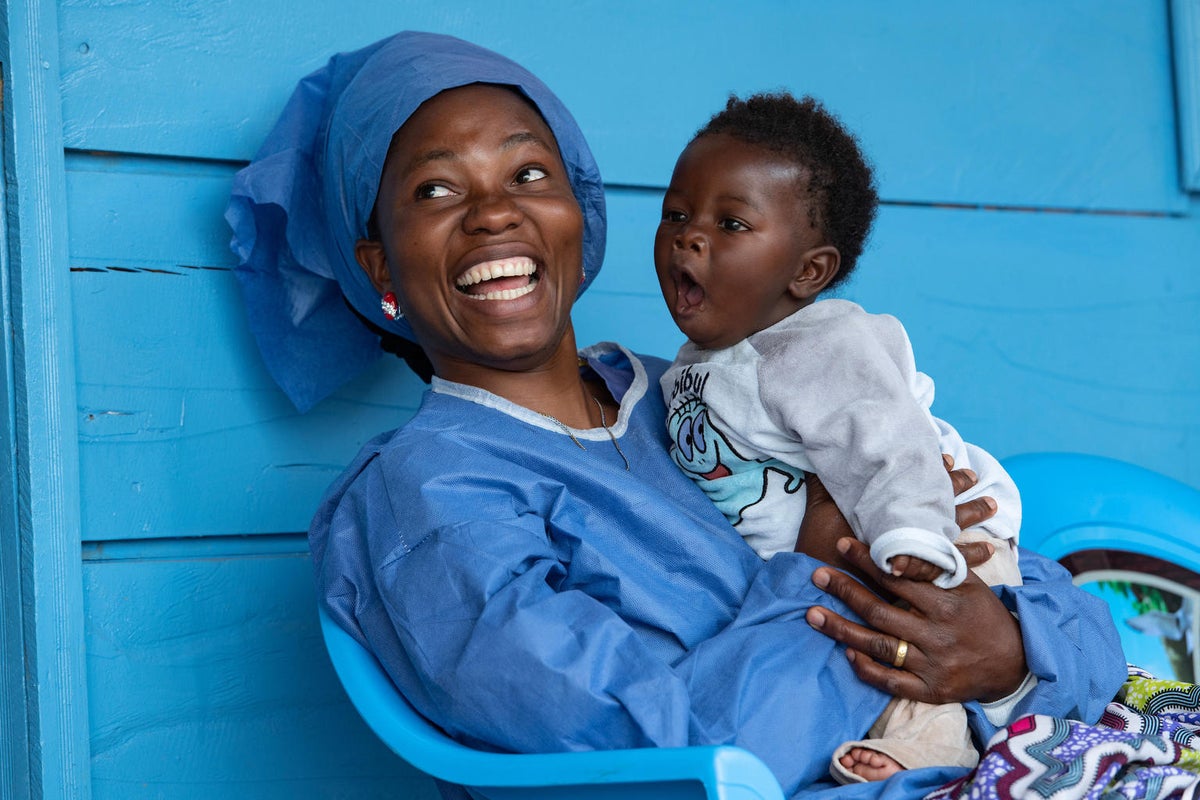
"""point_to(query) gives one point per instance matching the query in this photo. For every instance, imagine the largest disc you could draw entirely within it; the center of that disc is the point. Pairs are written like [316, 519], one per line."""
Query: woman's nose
[492, 212]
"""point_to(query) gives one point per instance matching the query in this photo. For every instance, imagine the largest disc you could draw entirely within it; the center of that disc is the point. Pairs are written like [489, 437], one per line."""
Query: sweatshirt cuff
[999, 711]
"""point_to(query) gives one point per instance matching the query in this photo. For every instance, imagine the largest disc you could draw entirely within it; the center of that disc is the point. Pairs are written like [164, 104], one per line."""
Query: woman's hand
[961, 644]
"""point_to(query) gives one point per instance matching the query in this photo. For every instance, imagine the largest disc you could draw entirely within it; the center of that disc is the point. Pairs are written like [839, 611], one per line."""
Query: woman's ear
[370, 256]
[817, 268]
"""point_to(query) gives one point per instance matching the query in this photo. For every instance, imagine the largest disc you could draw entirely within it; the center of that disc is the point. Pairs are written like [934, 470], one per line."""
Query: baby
[769, 206]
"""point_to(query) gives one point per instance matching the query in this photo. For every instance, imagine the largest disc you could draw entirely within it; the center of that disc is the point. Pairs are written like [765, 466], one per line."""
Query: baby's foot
[870, 765]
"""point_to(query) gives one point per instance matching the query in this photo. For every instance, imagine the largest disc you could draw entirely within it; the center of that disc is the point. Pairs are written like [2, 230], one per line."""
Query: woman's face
[482, 238]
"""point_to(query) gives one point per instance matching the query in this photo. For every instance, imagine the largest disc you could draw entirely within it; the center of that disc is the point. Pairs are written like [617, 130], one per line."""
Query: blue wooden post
[1185, 27]
[43, 702]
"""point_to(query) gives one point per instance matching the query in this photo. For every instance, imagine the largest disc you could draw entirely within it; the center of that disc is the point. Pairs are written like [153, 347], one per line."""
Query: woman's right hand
[947, 646]
[960, 644]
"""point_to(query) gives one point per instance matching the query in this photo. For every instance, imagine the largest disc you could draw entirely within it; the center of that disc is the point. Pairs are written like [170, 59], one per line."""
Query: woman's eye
[431, 191]
[730, 224]
[530, 174]
[670, 215]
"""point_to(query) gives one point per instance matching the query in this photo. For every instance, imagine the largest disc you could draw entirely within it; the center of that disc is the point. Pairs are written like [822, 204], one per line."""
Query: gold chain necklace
[603, 424]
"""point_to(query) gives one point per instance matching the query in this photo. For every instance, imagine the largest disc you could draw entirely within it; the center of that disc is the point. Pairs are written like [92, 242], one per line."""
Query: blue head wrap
[302, 203]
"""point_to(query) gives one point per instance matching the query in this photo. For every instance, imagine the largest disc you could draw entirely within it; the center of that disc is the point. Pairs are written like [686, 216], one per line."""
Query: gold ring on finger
[901, 654]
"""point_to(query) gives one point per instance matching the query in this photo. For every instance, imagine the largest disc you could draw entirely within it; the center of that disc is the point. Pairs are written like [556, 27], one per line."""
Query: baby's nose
[690, 239]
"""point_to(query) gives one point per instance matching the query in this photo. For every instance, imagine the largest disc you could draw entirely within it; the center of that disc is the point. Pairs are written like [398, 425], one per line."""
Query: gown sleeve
[1071, 646]
[504, 659]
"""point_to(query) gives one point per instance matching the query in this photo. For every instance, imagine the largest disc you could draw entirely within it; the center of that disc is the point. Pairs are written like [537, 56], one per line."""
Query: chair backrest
[1131, 537]
[1073, 502]
[715, 773]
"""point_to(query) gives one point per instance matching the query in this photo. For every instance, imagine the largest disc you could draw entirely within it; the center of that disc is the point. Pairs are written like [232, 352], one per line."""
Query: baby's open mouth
[504, 279]
[688, 293]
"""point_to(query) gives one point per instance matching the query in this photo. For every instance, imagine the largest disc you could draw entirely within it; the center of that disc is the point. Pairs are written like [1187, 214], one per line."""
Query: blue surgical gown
[527, 593]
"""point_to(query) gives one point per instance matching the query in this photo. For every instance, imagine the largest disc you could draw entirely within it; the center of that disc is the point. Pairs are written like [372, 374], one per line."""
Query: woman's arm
[496, 654]
[468, 618]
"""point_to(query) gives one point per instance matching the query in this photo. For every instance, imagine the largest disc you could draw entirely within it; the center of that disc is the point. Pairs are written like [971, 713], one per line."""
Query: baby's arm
[824, 525]
[843, 384]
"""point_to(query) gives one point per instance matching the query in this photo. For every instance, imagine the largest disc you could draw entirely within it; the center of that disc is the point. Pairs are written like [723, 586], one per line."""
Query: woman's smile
[500, 281]
[503, 279]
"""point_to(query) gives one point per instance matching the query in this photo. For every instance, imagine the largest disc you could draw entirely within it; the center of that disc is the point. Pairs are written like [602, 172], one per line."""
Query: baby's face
[733, 236]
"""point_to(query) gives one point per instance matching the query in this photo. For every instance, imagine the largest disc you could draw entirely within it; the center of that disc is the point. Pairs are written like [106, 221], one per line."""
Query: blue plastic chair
[1073, 503]
[716, 773]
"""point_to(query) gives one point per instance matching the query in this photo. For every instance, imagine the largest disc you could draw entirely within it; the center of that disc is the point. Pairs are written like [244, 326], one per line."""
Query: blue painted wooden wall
[1038, 238]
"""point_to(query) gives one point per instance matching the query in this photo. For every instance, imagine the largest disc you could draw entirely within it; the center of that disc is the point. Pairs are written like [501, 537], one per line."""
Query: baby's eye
[671, 215]
[432, 191]
[731, 224]
[530, 174]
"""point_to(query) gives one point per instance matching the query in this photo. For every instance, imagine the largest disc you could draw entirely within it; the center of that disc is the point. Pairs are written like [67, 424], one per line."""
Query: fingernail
[970, 473]
[816, 619]
[820, 578]
[843, 545]
[947, 460]
[990, 503]
[850, 656]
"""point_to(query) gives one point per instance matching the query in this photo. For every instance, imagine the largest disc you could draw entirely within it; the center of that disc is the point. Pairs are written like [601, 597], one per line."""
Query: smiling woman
[303, 237]
[481, 240]
[523, 557]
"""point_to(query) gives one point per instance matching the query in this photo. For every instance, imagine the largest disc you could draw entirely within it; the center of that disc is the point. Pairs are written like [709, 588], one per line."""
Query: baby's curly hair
[840, 184]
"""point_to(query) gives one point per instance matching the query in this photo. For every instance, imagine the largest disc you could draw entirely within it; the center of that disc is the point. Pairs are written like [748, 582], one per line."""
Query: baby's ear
[817, 268]
[370, 256]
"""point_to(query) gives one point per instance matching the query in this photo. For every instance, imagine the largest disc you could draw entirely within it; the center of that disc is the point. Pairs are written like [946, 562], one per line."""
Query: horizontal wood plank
[1022, 103]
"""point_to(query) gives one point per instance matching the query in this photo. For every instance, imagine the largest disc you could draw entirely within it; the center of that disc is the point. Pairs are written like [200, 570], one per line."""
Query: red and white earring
[391, 309]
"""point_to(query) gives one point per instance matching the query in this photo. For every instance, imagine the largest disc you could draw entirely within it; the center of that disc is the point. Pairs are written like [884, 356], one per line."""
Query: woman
[523, 556]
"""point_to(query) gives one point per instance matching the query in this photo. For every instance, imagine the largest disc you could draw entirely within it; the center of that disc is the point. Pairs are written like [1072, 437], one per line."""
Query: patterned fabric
[1143, 748]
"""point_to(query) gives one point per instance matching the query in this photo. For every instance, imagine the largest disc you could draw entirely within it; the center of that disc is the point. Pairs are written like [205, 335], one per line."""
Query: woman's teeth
[510, 278]
[497, 271]
[505, 294]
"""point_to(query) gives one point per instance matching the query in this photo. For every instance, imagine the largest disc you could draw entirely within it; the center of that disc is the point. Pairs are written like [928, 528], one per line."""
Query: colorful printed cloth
[1143, 748]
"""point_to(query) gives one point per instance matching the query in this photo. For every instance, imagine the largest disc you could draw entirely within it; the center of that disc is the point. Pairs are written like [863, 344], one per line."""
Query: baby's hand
[915, 569]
